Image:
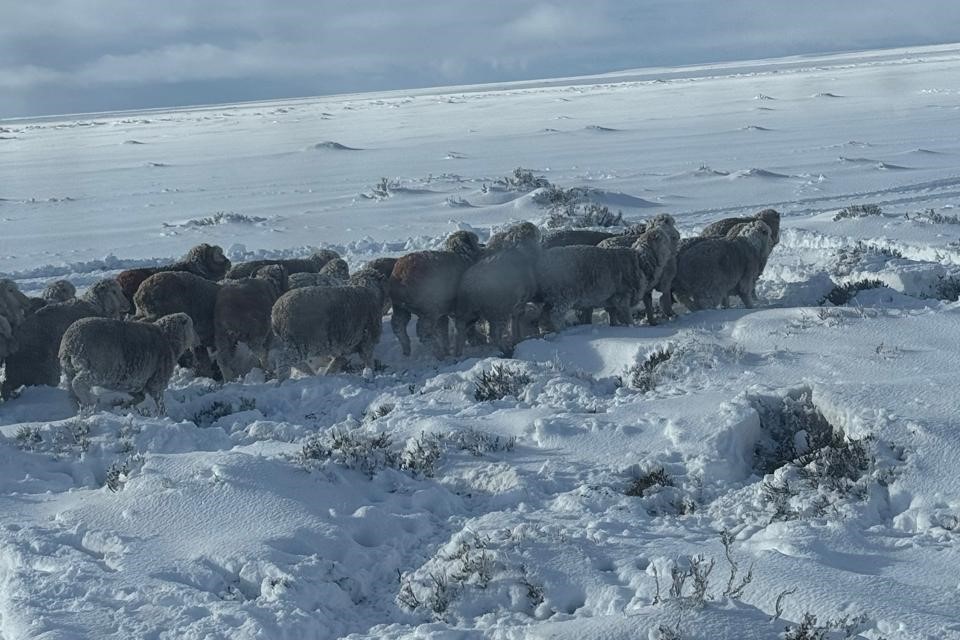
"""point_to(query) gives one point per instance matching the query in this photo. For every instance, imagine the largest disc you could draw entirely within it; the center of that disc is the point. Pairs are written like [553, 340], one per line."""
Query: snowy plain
[520, 526]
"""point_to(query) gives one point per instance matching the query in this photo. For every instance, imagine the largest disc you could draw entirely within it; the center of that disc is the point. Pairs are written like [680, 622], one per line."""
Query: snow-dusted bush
[810, 628]
[586, 215]
[643, 376]
[480, 442]
[523, 180]
[363, 451]
[858, 211]
[947, 288]
[219, 409]
[843, 293]
[120, 471]
[499, 382]
[656, 477]
[220, 217]
[932, 217]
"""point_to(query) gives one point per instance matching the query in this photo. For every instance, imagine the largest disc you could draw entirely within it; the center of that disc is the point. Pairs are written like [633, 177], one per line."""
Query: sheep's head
[336, 268]
[107, 296]
[208, 260]
[375, 281]
[13, 303]
[524, 236]
[383, 265]
[276, 275]
[668, 225]
[772, 219]
[659, 244]
[465, 244]
[59, 291]
[759, 236]
[177, 328]
[322, 256]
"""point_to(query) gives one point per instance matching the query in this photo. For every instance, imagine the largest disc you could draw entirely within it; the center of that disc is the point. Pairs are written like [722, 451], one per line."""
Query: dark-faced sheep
[572, 237]
[710, 269]
[204, 260]
[132, 357]
[311, 264]
[583, 277]
[171, 292]
[38, 339]
[425, 283]
[334, 322]
[241, 320]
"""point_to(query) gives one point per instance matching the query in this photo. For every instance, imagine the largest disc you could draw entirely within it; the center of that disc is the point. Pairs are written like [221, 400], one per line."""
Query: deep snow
[515, 521]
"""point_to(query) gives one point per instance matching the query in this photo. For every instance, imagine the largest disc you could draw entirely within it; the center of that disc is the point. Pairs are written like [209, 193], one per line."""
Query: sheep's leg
[584, 315]
[398, 322]
[648, 307]
[460, 337]
[226, 356]
[441, 336]
[745, 291]
[515, 335]
[666, 302]
[81, 390]
[498, 334]
[336, 365]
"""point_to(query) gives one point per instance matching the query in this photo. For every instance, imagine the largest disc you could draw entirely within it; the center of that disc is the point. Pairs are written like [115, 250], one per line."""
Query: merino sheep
[13, 303]
[425, 283]
[710, 269]
[314, 322]
[204, 260]
[241, 315]
[383, 265]
[496, 289]
[133, 357]
[312, 264]
[59, 291]
[522, 235]
[571, 237]
[171, 292]
[723, 227]
[584, 277]
[300, 280]
[35, 360]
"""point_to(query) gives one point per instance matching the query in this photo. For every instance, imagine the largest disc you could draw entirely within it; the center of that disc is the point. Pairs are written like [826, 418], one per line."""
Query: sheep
[570, 237]
[14, 304]
[122, 355]
[425, 283]
[722, 228]
[584, 277]
[204, 260]
[313, 322]
[383, 265]
[709, 269]
[56, 291]
[523, 235]
[497, 289]
[312, 264]
[35, 361]
[241, 314]
[626, 239]
[179, 291]
[657, 249]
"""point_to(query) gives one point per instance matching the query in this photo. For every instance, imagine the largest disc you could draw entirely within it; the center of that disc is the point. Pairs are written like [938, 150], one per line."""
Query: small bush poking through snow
[420, 457]
[842, 294]
[498, 383]
[28, 438]
[932, 217]
[643, 376]
[523, 180]
[220, 217]
[355, 449]
[947, 288]
[382, 190]
[858, 211]
[811, 629]
[587, 215]
[220, 409]
[119, 472]
[654, 478]
[480, 442]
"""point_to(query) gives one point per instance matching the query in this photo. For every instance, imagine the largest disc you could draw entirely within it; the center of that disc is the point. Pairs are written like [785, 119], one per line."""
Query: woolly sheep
[241, 315]
[571, 237]
[496, 289]
[657, 250]
[121, 355]
[35, 360]
[425, 283]
[204, 260]
[314, 322]
[523, 235]
[709, 269]
[178, 291]
[311, 264]
[14, 307]
[59, 291]
[584, 277]
[300, 280]
[722, 228]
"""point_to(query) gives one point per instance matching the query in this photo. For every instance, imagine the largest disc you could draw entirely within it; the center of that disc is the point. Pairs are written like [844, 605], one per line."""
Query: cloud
[76, 55]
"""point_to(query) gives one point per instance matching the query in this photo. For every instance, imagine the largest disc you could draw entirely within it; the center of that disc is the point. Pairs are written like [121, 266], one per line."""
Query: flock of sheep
[128, 333]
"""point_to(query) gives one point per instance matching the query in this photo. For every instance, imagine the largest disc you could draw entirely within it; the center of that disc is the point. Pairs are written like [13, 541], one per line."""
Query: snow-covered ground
[823, 440]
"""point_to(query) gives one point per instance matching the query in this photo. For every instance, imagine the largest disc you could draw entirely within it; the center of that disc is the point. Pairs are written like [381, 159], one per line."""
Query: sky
[76, 56]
